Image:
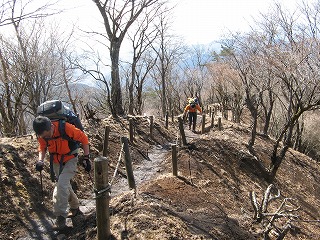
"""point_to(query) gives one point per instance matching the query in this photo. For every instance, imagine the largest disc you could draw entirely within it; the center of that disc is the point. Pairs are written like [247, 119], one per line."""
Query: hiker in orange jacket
[192, 109]
[63, 164]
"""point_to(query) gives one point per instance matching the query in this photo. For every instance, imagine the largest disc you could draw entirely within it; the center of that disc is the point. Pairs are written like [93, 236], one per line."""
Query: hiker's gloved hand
[85, 162]
[39, 166]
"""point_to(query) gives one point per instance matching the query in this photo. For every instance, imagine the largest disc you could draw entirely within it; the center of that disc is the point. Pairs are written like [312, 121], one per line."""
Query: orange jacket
[190, 109]
[59, 146]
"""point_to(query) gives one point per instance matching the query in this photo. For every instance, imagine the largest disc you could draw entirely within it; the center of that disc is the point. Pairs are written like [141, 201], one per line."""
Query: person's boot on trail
[59, 224]
[194, 127]
[74, 212]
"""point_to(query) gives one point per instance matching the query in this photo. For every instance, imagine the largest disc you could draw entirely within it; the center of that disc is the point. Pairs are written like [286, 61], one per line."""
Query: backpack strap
[73, 145]
[62, 129]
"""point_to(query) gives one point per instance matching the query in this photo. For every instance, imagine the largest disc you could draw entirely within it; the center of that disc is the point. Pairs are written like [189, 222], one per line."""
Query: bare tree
[118, 16]
[32, 70]
[196, 70]
[227, 87]
[167, 51]
[103, 96]
[298, 70]
[242, 50]
[8, 13]
[141, 40]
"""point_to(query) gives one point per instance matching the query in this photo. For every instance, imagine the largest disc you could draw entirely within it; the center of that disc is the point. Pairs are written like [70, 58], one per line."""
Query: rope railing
[118, 164]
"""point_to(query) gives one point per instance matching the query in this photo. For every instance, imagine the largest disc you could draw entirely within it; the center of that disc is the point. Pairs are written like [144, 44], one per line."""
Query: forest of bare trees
[271, 71]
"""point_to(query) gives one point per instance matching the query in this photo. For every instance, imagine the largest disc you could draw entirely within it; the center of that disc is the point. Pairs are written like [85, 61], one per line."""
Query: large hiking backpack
[55, 110]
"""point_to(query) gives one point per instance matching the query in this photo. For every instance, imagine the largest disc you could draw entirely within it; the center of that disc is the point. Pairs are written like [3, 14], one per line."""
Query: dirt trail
[146, 170]
[150, 168]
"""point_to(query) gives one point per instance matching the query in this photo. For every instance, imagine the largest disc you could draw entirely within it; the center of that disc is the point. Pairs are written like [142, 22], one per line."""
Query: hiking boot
[60, 223]
[74, 212]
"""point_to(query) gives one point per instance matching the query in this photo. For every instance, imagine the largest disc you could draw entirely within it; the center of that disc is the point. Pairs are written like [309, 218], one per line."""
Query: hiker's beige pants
[63, 193]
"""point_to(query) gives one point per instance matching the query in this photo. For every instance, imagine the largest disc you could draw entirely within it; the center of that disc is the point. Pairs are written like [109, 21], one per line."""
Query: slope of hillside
[208, 200]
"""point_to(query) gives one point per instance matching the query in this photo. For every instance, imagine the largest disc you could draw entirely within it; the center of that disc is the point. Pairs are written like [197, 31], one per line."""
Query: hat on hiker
[191, 100]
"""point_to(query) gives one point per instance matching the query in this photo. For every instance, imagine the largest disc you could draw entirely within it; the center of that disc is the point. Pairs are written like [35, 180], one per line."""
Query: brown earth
[208, 200]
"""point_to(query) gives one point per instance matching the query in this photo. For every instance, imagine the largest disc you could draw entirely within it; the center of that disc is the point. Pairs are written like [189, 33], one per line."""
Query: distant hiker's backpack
[191, 102]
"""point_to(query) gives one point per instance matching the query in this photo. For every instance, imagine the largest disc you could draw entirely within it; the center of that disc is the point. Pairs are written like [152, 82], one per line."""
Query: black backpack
[55, 110]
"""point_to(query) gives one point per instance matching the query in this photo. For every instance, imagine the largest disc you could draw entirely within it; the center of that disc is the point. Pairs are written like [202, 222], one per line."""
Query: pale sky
[197, 21]
[203, 21]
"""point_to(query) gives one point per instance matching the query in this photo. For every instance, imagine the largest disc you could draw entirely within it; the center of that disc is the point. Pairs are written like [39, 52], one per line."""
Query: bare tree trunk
[253, 108]
[163, 94]
[275, 158]
[298, 137]
[116, 95]
[131, 86]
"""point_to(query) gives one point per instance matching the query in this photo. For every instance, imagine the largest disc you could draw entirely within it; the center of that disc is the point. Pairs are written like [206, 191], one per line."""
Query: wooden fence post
[102, 198]
[183, 136]
[212, 120]
[106, 141]
[128, 163]
[151, 126]
[174, 160]
[167, 119]
[131, 130]
[203, 123]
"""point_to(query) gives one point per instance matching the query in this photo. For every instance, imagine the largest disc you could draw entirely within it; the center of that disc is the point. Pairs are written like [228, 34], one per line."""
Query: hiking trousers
[63, 194]
[192, 120]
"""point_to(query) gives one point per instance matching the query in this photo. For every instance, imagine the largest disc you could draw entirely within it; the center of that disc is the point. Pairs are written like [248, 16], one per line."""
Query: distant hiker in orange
[192, 108]
[63, 164]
